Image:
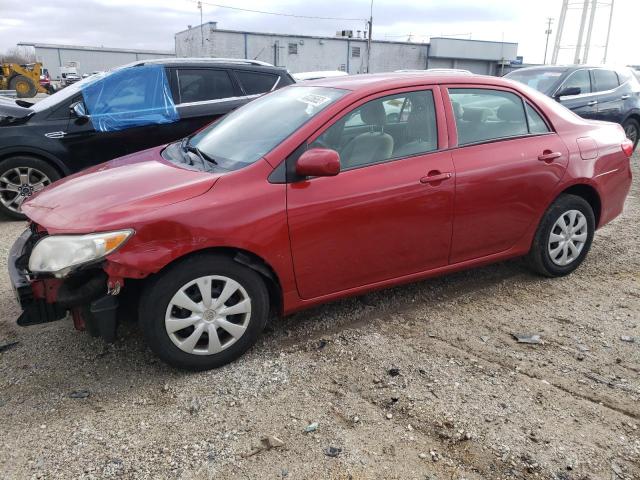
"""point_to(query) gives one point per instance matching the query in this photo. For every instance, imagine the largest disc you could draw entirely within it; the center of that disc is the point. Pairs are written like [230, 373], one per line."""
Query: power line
[280, 14]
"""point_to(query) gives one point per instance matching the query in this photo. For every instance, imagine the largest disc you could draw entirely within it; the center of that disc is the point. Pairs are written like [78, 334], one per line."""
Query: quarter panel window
[199, 85]
[580, 79]
[536, 124]
[484, 115]
[383, 129]
[255, 83]
[605, 80]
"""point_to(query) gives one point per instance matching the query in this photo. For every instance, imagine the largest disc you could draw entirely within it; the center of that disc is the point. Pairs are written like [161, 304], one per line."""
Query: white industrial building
[303, 53]
[88, 59]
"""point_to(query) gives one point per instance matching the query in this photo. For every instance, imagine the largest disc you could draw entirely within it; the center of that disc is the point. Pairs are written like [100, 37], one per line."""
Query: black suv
[109, 115]
[599, 93]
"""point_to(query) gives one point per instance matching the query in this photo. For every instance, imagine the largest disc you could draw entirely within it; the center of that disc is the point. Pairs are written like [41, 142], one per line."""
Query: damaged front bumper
[45, 299]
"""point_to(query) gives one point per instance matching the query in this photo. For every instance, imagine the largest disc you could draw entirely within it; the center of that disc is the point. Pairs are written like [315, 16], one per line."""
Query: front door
[388, 212]
[508, 163]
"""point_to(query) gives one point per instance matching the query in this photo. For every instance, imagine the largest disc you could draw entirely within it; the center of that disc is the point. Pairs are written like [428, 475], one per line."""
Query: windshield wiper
[187, 147]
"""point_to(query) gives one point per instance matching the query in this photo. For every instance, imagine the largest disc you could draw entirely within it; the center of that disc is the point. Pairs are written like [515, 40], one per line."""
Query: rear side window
[605, 80]
[536, 124]
[202, 84]
[483, 115]
[255, 83]
[579, 79]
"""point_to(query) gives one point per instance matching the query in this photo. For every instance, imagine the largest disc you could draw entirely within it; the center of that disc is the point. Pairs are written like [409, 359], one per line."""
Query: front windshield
[544, 81]
[247, 134]
[67, 92]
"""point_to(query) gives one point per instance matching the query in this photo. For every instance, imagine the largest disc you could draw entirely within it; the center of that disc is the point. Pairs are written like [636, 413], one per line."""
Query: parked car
[287, 203]
[133, 108]
[597, 93]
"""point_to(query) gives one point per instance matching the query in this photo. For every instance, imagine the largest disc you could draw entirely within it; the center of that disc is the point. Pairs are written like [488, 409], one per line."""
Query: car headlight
[58, 254]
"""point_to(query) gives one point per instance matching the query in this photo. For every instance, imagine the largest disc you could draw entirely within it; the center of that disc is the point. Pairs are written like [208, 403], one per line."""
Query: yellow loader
[24, 79]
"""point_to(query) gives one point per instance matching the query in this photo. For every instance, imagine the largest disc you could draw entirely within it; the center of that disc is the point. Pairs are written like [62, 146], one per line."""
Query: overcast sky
[151, 24]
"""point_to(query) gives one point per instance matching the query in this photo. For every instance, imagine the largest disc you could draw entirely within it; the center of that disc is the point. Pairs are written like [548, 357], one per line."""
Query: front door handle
[592, 103]
[625, 96]
[435, 176]
[548, 156]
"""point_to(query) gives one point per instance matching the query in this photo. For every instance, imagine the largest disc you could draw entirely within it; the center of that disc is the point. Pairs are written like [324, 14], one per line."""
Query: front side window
[484, 115]
[384, 129]
[578, 79]
[256, 83]
[248, 133]
[605, 80]
[202, 84]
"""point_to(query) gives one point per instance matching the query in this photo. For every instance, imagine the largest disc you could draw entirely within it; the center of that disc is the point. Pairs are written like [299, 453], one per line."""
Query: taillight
[627, 147]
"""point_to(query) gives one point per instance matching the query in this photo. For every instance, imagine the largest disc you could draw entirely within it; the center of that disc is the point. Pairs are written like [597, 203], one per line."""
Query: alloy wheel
[18, 184]
[568, 237]
[208, 315]
[631, 131]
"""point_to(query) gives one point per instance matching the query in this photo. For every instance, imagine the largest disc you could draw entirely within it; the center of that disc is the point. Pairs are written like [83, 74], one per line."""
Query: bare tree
[21, 55]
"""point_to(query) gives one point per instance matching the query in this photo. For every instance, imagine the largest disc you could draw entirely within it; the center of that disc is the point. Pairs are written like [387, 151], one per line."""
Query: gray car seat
[370, 147]
[420, 131]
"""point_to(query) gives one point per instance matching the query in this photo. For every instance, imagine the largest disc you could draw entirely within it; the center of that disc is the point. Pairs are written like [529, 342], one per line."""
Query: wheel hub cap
[568, 237]
[208, 315]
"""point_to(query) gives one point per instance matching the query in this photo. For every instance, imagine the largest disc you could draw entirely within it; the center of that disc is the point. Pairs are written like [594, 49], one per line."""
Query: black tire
[160, 290]
[632, 131]
[22, 162]
[539, 257]
[24, 87]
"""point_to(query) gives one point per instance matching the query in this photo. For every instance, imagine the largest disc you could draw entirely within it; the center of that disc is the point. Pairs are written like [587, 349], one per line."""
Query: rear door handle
[592, 103]
[549, 156]
[435, 177]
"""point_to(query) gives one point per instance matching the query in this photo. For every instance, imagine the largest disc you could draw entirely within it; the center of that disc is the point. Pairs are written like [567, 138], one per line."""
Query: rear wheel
[563, 238]
[204, 312]
[21, 177]
[632, 131]
[23, 86]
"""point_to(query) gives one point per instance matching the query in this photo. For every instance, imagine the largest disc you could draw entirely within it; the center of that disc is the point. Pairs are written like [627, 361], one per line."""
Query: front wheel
[632, 131]
[563, 238]
[204, 312]
[21, 177]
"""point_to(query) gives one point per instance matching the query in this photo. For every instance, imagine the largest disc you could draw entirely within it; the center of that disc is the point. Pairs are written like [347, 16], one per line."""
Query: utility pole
[548, 33]
[370, 24]
[201, 34]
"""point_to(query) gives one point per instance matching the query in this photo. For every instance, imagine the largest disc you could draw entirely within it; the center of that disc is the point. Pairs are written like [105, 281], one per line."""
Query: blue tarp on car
[129, 97]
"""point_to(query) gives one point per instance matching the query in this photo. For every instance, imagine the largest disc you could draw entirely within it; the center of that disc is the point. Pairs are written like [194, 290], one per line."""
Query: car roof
[376, 81]
[198, 62]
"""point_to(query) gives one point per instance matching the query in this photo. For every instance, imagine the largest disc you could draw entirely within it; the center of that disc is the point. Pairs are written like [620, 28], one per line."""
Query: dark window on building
[605, 80]
[254, 83]
[198, 85]
[293, 48]
[355, 52]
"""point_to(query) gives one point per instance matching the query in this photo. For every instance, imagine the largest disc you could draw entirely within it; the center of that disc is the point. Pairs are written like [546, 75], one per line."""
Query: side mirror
[318, 162]
[565, 92]
[77, 110]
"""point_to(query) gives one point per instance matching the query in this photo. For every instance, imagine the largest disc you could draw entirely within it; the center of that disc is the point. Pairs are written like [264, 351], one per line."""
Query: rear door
[508, 161]
[585, 103]
[610, 96]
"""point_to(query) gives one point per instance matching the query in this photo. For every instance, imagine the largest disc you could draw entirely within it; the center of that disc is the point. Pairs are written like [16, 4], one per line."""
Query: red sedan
[312, 193]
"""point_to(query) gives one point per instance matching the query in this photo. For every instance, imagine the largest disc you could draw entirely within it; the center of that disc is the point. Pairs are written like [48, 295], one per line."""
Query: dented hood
[116, 192]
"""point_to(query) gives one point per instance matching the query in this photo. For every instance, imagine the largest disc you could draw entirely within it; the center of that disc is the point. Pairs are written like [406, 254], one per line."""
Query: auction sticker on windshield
[313, 99]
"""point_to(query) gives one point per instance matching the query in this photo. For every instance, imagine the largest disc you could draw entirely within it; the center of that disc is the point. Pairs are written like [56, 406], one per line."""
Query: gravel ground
[424, 381]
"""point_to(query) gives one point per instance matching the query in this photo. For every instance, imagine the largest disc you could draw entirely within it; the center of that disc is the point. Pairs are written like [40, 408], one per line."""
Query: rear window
[202, 84]
[605, 80]
[254, 83]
